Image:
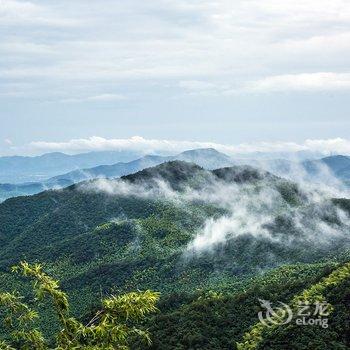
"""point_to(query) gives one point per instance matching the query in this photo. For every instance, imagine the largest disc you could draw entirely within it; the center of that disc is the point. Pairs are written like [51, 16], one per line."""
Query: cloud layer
[146, 146]
[207, 47]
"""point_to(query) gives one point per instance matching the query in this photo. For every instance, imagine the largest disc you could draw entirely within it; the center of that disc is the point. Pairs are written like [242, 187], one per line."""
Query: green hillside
[158, 229]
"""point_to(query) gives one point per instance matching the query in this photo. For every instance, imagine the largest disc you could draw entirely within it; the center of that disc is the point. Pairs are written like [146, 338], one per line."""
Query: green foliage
[98, 244]
[315, 293]
[112, 327]
[216, 320]
[5, 346]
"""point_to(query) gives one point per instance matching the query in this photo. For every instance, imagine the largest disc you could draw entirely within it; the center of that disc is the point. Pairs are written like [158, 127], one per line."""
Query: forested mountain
[208, 158]
[325, 170]
[212, 242]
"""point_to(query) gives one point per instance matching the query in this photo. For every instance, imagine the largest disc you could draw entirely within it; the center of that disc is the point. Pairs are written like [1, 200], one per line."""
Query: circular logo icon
[280, 315]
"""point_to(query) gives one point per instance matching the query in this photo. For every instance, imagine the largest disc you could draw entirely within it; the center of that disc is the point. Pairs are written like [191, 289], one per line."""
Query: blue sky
[227, 72]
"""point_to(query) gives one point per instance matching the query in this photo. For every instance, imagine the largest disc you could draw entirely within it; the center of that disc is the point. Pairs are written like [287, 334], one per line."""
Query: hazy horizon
[143, 145]
[204, 71]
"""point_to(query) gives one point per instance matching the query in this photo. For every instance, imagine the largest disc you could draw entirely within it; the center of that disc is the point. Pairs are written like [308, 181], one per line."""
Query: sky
[244, 72]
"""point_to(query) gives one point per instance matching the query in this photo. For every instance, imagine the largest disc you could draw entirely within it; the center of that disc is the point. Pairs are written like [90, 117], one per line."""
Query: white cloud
[322, 81]
[196, 85]
[13, 12]
[107, 97]
[97, 98]
[202, 47]
[201, 87]
[137, 143]
[22, 47]
[334, 42]
[337, 145]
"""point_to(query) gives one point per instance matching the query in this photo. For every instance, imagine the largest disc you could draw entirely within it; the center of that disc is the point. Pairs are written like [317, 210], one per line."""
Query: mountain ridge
[206, 157]
[337, 166]
[136, 232]
[31, 168]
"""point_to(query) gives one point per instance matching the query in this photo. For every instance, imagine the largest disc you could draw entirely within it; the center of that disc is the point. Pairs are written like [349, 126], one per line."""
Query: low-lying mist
[263, 209]
[315, 175]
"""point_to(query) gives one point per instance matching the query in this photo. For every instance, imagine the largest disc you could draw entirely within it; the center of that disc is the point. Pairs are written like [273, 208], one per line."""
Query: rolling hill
[208, 158]
[211, 242]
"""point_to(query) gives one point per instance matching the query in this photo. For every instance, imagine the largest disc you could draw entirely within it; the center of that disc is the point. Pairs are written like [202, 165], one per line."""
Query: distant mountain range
[19, 169]
[324, 170]
[207, 158]
[315, 170]
[338, 165]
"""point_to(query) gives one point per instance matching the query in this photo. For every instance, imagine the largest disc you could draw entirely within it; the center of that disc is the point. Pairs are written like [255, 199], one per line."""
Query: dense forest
[212, 243]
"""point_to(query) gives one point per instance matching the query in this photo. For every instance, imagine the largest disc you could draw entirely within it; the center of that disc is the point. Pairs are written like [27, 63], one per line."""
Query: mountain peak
[241, 174]
[208, 158]
[204, 152]
[174, 172]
